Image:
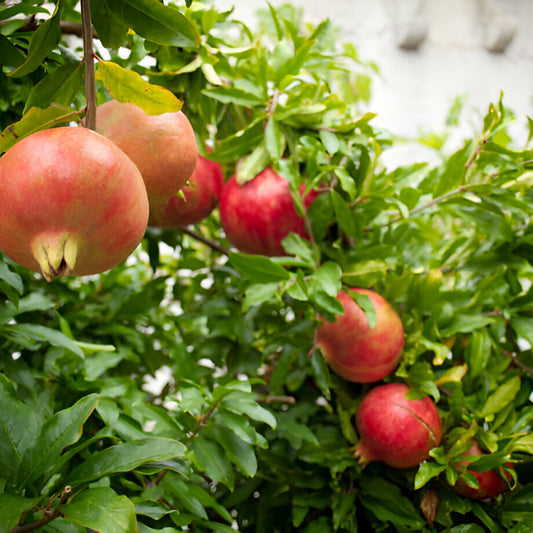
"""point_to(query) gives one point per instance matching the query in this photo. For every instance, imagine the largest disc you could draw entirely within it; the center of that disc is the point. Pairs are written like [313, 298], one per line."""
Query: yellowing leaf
[127, 86]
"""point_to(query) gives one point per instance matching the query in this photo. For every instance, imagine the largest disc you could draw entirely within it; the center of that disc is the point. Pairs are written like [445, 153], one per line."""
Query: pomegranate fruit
[354, 350]
[258, 215]
[162, 146]
[72, 203]
[202, 194]
[491, 483]
[394, 430]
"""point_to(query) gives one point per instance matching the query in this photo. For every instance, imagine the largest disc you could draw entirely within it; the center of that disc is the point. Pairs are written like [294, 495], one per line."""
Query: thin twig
[49, 515]
[88, 59]
[209, 242]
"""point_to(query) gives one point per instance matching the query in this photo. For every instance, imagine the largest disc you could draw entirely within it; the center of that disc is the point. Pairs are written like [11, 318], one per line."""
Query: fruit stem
[88, 59]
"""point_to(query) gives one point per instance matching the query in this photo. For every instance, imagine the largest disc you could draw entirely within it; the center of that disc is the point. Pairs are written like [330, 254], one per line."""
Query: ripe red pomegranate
[71, 203]
[162, 146]
[394, 430]
[202, 194]
[258, 215]
[491, 483]
[356, 352]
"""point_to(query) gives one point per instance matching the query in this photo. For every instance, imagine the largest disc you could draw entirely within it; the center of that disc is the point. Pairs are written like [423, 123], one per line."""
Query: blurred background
[433, 55]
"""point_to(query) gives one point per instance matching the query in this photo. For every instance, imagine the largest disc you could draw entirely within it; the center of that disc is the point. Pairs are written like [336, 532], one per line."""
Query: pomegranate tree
[201, 196]
[162, 146]
[356, 351]
[259, 214]
[72, 203]
[491, 483]
[395, 430]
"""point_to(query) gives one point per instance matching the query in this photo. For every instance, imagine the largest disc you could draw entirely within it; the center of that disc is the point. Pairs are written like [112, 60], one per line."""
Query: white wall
[417, 87]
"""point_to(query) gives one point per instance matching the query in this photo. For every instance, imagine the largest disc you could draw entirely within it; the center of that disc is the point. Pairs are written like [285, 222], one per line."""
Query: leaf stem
[88, 59]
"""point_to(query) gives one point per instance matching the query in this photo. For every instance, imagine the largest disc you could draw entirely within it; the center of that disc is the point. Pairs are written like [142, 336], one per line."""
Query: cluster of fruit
[77, 202]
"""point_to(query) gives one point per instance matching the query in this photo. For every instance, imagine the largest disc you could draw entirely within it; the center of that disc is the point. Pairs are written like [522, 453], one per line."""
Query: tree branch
[209, 242]
[88, 59]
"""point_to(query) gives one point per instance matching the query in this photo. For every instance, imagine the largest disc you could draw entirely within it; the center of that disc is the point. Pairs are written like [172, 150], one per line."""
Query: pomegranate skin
[491, 483]
[72, 203]
[202, 195]
[258, 215]
[353, 350]
[162, 146]
[394, 430]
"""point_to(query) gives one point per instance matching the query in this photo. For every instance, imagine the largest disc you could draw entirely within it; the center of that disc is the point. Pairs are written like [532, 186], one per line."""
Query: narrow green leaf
[258, 293]
[125, 457]
[11, 278]
[19, 429]
[45, 38]
[35, 332]
[321, 372]
[249, 166]
[59, 87]
[299, 247]
[12, 507]
[212, 460]
[36, 119]
[238, 452]
[101, 509]
[344, 215]
[156, 22]
[240, 97]
[127, 86]
[111, 29]
[258, 268]
[244, 403]
[426, 471]
[10, 55]
[504, 394]
[274, 140]
[60, 431]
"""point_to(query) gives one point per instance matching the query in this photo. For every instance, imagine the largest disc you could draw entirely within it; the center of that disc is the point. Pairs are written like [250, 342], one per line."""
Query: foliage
[245, 428]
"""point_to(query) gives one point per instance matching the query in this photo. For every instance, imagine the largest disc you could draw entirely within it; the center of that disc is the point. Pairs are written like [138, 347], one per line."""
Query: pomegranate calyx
[56, 254]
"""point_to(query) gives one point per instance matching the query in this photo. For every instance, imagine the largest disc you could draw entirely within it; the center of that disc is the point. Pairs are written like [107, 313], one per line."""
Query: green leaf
[61, 430]
[426, 471]
[101, 509]
[212, 460]
[36, 119]
[235, 96]
[258, 268]
[12, 507]
[504, 394]
[127, 86]
[237, 451]
[11, 278]
[463, 323]
[243, 403]
[454, 170]
[125, 457]
[258, 293]
[249, 166]
[22, 333]
[274, 140]
[19, 429]
[10, 55]
[111, 29]
[45, 38]
[59, 87]
[156, 22]
[321, 372]
[385, 500]
[299, 247]
[345, 217]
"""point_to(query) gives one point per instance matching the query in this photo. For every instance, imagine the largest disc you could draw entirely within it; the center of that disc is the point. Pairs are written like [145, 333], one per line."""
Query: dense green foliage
[245, 428]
